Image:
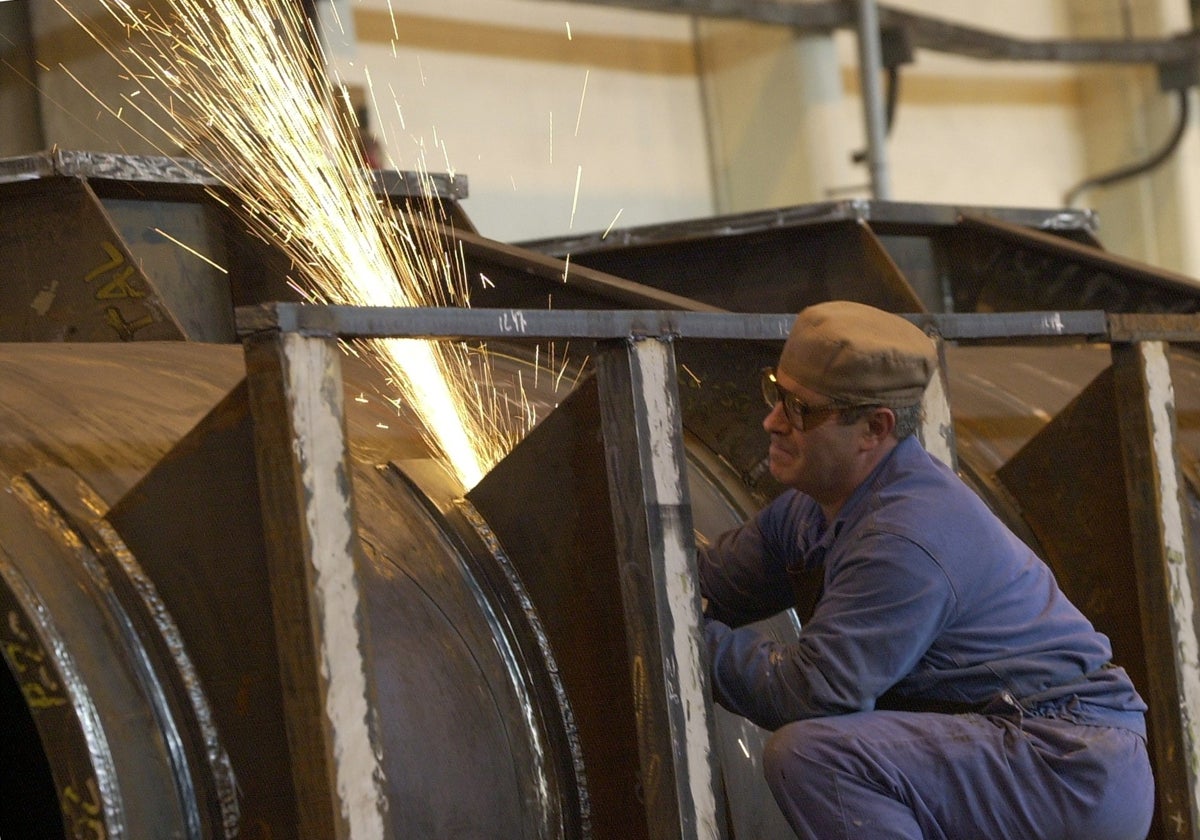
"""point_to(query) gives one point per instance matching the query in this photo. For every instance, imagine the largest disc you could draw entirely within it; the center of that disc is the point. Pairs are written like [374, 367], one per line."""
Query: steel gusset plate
[70, 276]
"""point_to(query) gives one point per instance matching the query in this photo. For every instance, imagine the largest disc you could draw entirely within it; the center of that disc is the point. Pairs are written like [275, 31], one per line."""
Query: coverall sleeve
[743, 573]
[883, 606]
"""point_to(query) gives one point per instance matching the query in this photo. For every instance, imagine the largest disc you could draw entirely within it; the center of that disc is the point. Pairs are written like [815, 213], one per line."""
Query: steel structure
[241, 598]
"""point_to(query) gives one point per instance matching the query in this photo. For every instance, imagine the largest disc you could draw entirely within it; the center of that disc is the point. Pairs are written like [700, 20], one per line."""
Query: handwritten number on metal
[119, 286]
[82, 816]
[513, 321]
[28, 659]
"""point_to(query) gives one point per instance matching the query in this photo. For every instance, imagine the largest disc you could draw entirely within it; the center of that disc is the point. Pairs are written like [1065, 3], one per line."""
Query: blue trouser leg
[894, 775]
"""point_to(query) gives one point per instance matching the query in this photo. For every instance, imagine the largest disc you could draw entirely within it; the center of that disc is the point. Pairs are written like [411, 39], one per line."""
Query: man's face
[819, 461]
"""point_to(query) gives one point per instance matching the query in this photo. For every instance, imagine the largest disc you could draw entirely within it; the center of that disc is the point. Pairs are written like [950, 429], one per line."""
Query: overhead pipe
[870, 61]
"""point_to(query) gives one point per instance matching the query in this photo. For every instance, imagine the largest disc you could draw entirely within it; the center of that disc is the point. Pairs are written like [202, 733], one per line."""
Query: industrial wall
[568, 116]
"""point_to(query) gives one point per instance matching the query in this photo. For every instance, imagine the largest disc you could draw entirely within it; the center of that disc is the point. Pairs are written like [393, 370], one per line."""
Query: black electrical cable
[891, 96]
[1135, 169]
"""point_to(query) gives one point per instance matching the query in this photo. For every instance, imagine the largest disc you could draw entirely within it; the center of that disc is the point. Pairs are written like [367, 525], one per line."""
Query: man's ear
[880, 423]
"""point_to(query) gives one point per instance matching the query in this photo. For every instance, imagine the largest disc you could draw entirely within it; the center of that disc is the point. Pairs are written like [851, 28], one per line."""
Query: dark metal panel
[887, 217]
[564, 551]
[200, 767]
[768, 269]
[528, 324]
[477, 740]
[722, 404]
[1056, 475]
[195, 526]
[182, 247]
[995, 266]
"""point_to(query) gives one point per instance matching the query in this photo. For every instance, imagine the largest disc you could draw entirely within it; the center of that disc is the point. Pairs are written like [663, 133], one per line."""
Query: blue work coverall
[943, 687]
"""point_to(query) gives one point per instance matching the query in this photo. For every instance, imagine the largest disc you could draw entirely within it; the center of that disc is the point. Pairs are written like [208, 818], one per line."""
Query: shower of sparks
[241, 87]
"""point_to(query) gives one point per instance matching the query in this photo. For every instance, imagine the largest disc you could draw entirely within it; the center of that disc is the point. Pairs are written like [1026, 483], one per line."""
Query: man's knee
[789, 750]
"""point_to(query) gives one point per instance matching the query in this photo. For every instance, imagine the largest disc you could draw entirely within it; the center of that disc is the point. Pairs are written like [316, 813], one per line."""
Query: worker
[943, 685]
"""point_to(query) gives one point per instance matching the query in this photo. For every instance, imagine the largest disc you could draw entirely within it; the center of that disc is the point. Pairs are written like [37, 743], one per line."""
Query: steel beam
[533, 324]
[1167, 589]
[937, 424]
[295, 386]
[644, 454]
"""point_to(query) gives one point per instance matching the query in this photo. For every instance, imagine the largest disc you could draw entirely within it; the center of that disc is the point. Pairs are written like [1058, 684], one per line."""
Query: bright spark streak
[190, 250]
[392, 17]
[575, 200]
[608, 229]
[579, 116]
[399, 113]
[240, 87]
[337, 18]
[569, 30]
[565, 361]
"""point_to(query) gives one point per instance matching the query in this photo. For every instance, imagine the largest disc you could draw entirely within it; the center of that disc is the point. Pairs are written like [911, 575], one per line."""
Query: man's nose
[777, 420]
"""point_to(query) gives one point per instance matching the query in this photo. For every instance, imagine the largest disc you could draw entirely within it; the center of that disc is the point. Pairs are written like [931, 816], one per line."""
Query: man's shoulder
[918, 496]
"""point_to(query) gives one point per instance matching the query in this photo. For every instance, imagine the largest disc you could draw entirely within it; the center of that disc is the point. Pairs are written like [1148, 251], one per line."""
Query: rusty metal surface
[215, 586]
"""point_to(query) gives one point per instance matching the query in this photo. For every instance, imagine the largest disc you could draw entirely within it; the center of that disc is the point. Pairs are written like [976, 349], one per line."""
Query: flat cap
[859, 355]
